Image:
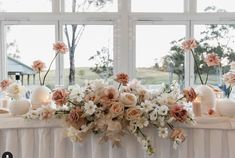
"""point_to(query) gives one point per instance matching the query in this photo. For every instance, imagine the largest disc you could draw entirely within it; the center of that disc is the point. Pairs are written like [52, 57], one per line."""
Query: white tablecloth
[211, 138]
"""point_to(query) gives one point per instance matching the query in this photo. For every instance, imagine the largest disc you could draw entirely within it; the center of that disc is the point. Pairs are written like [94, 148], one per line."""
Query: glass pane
[159, 46]
[26, 43]
[92, 54]
[91, 5]
[215, 5]
[25, 5]
[157, 5]
[219, 39]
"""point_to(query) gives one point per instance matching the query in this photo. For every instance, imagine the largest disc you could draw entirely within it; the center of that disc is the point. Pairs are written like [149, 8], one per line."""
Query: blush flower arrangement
[39, 66]
[111, 112]
[211, 59]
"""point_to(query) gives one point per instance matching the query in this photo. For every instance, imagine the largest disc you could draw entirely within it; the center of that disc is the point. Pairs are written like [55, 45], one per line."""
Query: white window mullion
[3, 73]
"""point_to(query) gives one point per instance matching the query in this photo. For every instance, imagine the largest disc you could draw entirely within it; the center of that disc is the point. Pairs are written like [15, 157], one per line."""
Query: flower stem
[142, 133]
[44, 78]
[197, 66]
[171, 126]
[229, 91]
[207, 75]
[40, 80]
[180, 98]
[119, 86]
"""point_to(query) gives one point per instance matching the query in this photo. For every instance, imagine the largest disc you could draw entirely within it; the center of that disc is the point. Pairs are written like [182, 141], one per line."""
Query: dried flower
[4, 84]
[133, 114]
[60, 97]
[189, 44]
[90, 107]
[212, 59]
[15, 91]
[38, 66]
[60, 47]
[122, 78]
[189, 94]
[177, 134]
[179, 113]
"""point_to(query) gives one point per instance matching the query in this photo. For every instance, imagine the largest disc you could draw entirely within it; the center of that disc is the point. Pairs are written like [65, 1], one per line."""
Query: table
[210, 138]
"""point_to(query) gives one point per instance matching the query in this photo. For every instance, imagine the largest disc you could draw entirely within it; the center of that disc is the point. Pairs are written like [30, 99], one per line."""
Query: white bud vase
[19, 106]
[41, 96]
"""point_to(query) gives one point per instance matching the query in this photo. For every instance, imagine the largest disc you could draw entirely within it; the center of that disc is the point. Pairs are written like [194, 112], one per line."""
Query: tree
[216, 38]
[74, 32]
[103, 63]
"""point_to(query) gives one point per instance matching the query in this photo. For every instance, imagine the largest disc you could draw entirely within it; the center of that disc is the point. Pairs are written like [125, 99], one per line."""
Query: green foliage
[103, 63]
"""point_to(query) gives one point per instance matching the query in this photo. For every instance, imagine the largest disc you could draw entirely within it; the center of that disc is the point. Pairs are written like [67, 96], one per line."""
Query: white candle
[197, 107]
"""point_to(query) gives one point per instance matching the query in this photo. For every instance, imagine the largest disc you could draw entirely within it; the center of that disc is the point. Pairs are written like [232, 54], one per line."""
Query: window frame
[123, 21]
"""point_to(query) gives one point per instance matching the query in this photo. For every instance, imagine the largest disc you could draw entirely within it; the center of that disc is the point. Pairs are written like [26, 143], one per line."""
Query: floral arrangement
[4, 84]
[15, 91]
[113, 111]
[211, 59]
[39, 65]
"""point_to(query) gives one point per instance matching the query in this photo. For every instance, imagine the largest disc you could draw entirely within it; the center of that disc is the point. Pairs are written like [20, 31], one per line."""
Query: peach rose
[60, 97]
[38, 65]
[229, 78]
[189, 44]
[128, 99]
[177, 134]
[212, 59]
[133, 114]
[4, 84]
[116, 109]
[122, 78]
[110, 94]
[179, 113]
[190, 94]
[60, 47]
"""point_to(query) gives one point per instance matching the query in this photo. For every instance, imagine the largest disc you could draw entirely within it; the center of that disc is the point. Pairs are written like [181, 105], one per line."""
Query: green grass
[146, 75]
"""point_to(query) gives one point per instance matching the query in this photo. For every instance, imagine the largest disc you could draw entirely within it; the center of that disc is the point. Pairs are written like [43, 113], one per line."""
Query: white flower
[76, 93]
[153, 115]
[90, 107]
[146, 106]
[16, 91]
[163, 110]
[162, 132]
[142, 122]
[72, 133]
[33, 114]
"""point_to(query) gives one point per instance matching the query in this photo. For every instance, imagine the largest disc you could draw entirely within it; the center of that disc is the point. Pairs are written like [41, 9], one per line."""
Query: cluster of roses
[112, 111]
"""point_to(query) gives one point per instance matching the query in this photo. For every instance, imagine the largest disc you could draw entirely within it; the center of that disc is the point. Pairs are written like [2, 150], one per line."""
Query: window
[93, 56]
[91, 6]
[157, 6]
[218, 39]
[26, 43]
[158, 58]
[215, 6]
[25, 5]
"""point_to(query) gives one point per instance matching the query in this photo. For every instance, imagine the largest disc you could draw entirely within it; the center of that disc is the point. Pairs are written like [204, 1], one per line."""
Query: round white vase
[41, 96]
[225, 107]
[19, 107]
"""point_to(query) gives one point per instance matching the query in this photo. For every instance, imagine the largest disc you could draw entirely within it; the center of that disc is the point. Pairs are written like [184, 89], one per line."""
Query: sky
[151, 40]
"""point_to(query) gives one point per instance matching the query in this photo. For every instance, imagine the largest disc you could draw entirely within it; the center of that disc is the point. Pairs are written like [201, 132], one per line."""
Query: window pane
[215, 5]
[26, 43]
[93, 53]
[91, 5]
[219, 39]
[159, 46]
[25, 5]
[157, 5]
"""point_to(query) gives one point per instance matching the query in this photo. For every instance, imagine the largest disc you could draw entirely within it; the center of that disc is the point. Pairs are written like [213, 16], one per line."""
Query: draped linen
[210, 138]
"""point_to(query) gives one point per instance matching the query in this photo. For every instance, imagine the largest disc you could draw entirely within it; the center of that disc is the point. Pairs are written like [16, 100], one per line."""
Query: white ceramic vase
[19, 106]
[225, 107]
[207, 98]
[41, 96]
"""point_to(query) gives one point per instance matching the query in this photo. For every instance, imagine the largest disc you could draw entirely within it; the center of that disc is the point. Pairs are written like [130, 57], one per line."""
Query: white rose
[128, 99]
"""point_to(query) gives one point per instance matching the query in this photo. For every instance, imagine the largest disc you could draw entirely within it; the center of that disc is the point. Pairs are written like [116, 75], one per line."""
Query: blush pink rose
[4, 84]
[177, 134]
[133, 114]
[116, 109]
[229, 78]
[179, 113]
[122, 78]
[60, 97]
[38, 65]
[60, 47]
[75, 118]
[189, 44]
[212, 59]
